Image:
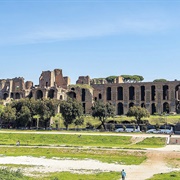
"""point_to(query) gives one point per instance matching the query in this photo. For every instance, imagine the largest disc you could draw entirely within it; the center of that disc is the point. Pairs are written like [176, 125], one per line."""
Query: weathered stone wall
[83, 80]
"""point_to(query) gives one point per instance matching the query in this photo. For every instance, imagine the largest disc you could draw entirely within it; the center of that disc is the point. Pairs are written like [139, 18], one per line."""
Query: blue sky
[96, 38]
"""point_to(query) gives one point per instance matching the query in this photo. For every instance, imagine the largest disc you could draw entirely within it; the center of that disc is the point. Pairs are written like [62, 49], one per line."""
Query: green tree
[79, 121]
[70, 110]
[138, 112]
[103, 111]
[9, 114]
[110, 79]
[160, 80]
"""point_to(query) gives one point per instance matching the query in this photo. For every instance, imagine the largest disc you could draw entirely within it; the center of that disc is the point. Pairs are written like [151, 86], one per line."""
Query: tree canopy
[138, 112]
[70, 110]
[132, 78]
[102, 111]
[160, 80]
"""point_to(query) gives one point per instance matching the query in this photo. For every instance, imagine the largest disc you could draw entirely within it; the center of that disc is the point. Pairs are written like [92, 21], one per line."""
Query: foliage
[9, 114]
[70, 110]
[160, 80]
[110, 79]
[132, 78]
[103, 111]
[79, 121]
[138, 112]
[8, 174]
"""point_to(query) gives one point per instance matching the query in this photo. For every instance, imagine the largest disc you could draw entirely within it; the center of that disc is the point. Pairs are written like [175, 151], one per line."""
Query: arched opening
[108, 93]
[131, 93]
[177, 96]
[153, 93]
[142, 93]
[120, 109]
[51, 93]
[120, 93]
[17, 96]
[61, 97]
[5, 96]
[100, 96]
[84, 108]
[131, 104]
[153, 108]
[30, 95]
[39, 94]
[95, 99]
[12, 95]
[83, 95]
[165, 92]
[143, 105]
[166, 107]
[72, 89]
[72, 95]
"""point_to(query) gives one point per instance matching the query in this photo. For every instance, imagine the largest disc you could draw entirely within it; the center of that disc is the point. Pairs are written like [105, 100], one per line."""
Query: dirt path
[155, 164]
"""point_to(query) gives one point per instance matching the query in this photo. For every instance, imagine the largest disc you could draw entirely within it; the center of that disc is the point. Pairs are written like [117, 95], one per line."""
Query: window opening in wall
[165, 92]
[51, 93]
[131, 104]
[120, 93]
[46, 84]
[153, 108]
[95, 98]
[5, 96]
[108, 93]
[17, 96]
[142, 93]
[100, 96]
[120, 109]
[61, 97]
[39, 94]
[84, 108]
[131, 93]
[83, 94]
[166, 107]
[153, 93]
[12, 95]
[143, 105]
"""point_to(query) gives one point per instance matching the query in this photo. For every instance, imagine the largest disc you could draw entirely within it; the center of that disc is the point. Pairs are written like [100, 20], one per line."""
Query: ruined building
[156, 97]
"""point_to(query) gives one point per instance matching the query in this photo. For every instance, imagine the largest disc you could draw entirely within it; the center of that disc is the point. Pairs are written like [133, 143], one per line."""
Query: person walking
[123, 174]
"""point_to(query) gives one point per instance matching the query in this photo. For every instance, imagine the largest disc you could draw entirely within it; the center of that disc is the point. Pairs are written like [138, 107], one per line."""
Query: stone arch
[39, 94]
[131, 93]
[5, 96]
[166, 107]
[17, 96]
[12, 95]
[143, 105]
[61, 97]
[131, 104]
[120, 109]
[120, 93]
[153, 108]
[100, 96]
[72, 95]
[177, 96]
[108, 93]
[51, 93]
[165, 92]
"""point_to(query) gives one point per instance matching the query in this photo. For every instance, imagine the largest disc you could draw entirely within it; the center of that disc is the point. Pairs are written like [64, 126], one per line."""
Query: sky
[99, 38]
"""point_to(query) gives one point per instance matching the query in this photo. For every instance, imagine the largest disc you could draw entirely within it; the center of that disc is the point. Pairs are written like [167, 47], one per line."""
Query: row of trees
[22, 113]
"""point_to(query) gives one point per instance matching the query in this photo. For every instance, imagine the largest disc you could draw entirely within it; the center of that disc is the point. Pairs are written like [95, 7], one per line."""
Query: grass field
[77, 140]
[113, 156]
[167, 176]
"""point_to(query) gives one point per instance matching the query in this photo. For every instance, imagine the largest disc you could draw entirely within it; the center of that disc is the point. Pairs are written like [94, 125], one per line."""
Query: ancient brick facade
[156, 97]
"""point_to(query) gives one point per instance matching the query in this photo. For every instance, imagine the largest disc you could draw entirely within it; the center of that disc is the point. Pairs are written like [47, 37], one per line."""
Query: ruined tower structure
[156, 97]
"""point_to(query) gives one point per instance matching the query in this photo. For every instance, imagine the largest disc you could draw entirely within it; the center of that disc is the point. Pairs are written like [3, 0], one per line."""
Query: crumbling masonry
[156, 97]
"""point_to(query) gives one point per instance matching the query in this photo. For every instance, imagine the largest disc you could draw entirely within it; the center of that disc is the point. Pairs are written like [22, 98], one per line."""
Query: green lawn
[77, 140]
[166, 176]
[8, 174]
[109, 156]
